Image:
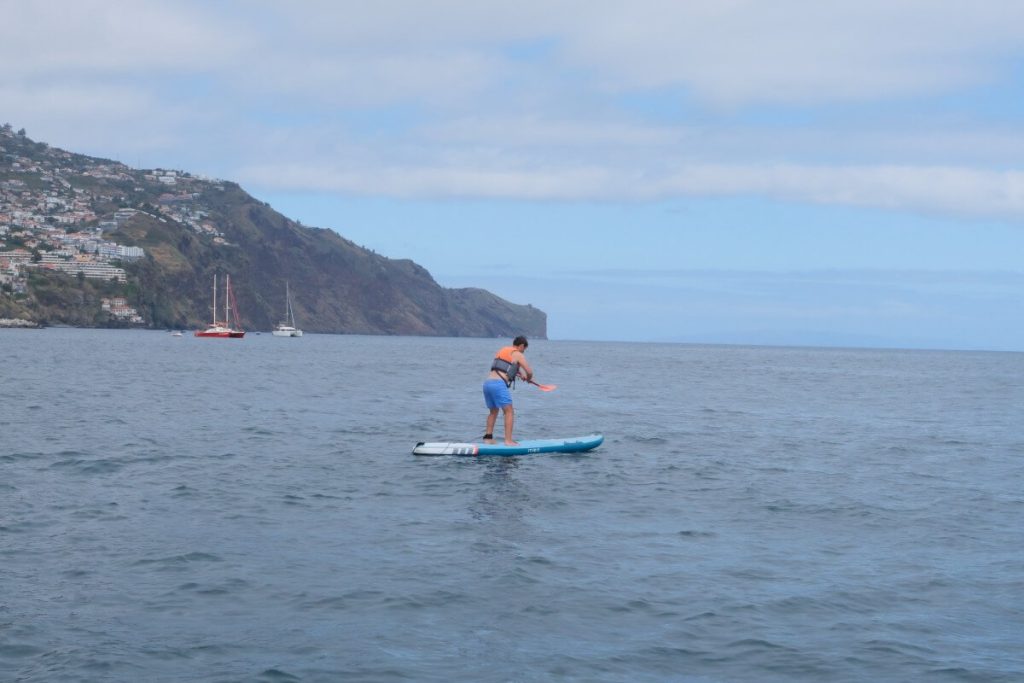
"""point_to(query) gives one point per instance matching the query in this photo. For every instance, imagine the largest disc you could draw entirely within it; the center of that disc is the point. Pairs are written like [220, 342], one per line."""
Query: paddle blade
[545, 387]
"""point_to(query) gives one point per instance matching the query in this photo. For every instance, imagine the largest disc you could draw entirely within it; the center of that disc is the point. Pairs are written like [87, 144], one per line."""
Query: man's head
[520, 341]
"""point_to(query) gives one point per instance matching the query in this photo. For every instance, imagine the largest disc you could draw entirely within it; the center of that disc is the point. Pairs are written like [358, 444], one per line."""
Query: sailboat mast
[288, 304]
[227, 300]
[215, 298]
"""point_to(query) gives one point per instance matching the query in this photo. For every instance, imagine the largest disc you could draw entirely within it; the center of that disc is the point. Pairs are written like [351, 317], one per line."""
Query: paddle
[543, 387]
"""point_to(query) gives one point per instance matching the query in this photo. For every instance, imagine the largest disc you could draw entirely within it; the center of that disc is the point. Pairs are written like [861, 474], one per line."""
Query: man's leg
[492, 418]
[510, 420]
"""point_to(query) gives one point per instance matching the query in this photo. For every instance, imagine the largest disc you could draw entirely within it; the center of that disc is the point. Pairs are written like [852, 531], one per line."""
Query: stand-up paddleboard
[576, 444]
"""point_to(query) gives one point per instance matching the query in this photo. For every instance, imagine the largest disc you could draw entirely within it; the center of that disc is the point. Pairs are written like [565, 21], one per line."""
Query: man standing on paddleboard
[508, 364]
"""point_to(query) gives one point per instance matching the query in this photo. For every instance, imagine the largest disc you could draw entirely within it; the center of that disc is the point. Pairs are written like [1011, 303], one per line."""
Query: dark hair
[520, 340]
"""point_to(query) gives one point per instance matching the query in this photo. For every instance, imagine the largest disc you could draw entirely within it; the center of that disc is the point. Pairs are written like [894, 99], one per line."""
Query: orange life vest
[504, 365]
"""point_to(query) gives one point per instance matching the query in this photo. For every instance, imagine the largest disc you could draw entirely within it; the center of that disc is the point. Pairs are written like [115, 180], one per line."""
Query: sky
[846, 173]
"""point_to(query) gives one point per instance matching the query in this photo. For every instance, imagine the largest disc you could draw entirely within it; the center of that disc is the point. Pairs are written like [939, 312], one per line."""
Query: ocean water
[181, 509]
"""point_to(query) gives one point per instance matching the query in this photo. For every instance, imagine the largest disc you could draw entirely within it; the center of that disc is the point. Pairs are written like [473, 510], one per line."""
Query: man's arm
[523, 365]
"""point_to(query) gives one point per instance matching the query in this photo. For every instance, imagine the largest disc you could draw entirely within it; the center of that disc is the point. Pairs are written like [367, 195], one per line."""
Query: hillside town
[93, 243]
[58, 208]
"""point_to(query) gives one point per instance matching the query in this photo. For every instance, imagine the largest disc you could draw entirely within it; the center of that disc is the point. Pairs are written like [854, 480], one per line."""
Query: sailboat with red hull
[223, 329]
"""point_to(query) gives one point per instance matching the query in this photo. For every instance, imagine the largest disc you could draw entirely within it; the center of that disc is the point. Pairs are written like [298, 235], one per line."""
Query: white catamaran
[287, 328]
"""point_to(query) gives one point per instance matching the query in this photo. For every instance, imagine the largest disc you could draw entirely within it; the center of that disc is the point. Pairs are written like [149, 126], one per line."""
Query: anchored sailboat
[287, 327]
[223, 329]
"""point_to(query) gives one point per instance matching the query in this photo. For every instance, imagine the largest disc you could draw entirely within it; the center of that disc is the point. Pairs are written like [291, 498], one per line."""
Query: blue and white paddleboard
[576, 444]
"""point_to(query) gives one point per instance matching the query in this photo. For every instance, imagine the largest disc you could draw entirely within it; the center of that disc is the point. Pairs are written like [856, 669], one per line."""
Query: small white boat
[287, 327]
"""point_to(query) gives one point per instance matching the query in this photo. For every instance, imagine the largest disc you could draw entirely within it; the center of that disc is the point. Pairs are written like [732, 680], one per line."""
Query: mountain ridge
[190, 228]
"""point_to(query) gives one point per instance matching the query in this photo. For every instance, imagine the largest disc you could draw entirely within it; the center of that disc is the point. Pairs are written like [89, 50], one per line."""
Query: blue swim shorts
[496, 394]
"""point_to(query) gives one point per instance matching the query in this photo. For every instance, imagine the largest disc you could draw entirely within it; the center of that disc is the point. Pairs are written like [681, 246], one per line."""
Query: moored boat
[287, 327]
[222, 329]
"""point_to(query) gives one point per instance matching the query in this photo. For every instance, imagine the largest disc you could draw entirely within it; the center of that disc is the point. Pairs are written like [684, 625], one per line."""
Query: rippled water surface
[181, 509]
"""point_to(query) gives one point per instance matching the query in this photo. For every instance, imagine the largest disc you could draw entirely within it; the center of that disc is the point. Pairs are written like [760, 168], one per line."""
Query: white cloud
[452, 182]
[367, 81]
[534, 132]
[917, 188]
[725, 52]
[792, 51]
[63, 40]
[733, 51]
[465, 99]
[930, 189]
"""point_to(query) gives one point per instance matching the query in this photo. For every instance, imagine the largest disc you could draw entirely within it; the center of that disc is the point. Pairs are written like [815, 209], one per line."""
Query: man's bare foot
[511, 443]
